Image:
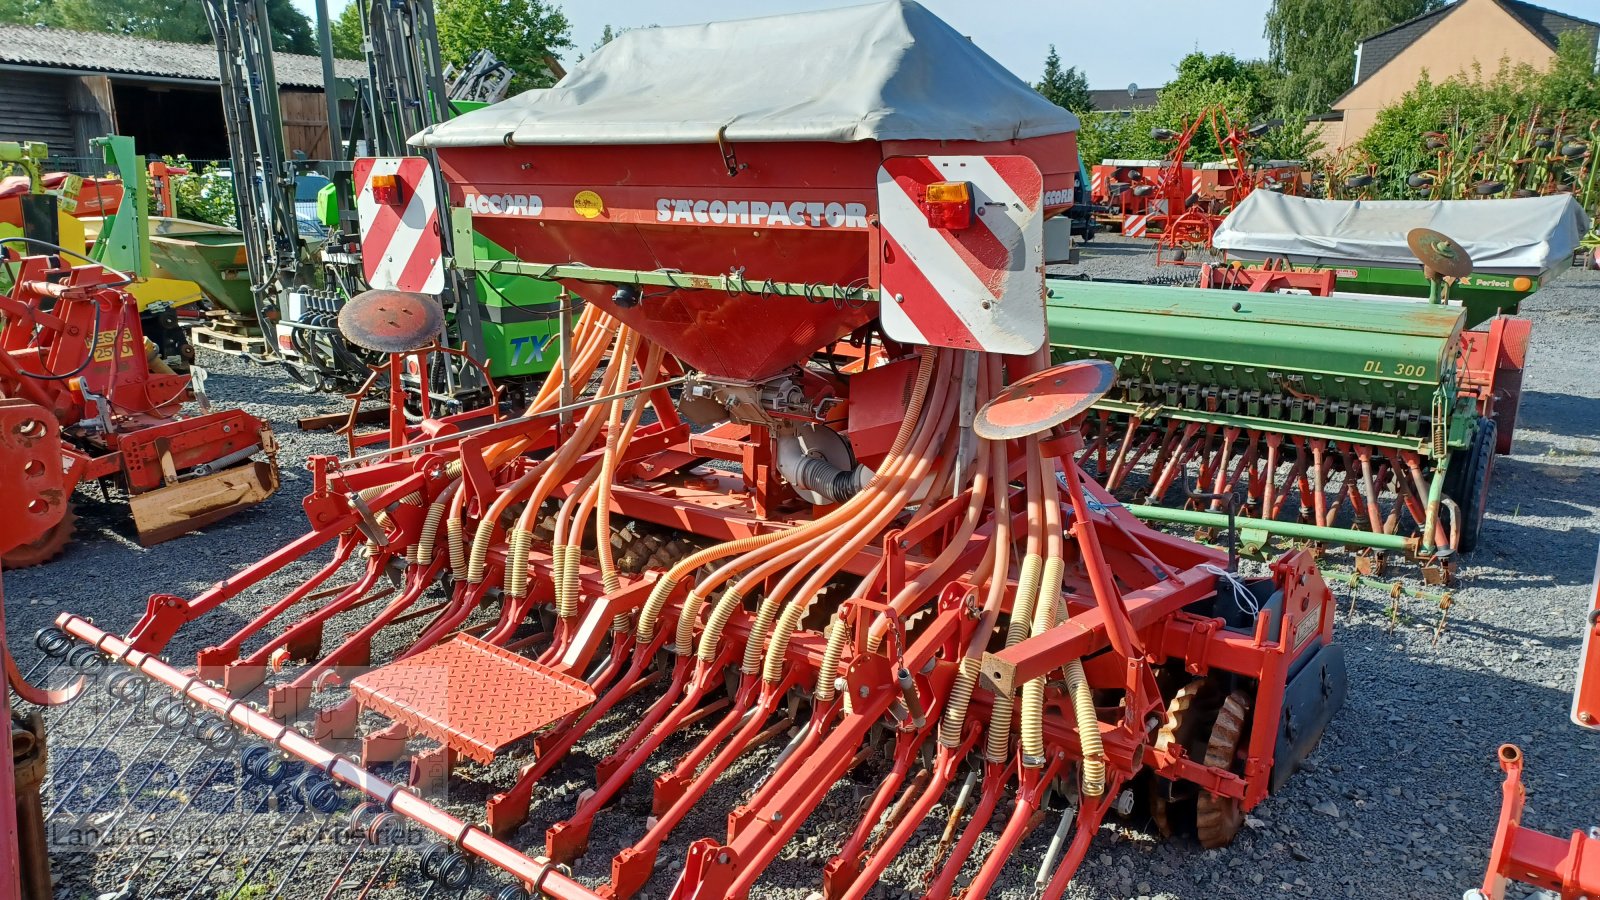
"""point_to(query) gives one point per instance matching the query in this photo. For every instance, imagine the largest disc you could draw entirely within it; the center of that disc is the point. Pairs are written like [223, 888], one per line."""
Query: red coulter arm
[1569, 867]
[1586, 695]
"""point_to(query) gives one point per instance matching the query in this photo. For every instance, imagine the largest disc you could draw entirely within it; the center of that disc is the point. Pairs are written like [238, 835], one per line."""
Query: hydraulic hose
[616, 442]
[917, 588]
[997, 748]
[998, 564]
[832, 652]
[884, 502]
[1044, 613]
[662, 592]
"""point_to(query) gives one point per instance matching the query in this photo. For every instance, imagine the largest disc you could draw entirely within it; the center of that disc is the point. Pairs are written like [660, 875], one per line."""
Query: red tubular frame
[1571, 867]
[1126, 588]
[1586, 694]
[291, 742]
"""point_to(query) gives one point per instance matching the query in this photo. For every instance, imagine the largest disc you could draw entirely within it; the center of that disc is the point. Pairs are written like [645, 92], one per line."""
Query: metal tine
[215, 736]
[193, 728]
[52, 643]
[250, 763]
[169, 713]
[272, 771]
[315, 792]
[126, 689]
[363, 834]
[393, 835]
[305, 850]
[89, 663]
[445, 865]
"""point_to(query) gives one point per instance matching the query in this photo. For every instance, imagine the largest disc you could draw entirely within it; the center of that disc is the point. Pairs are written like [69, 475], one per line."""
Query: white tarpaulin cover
[1524, 236]
[888, 71]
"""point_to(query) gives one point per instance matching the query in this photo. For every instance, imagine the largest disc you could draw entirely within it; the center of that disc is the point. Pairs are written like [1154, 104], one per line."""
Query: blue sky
[1116, 43]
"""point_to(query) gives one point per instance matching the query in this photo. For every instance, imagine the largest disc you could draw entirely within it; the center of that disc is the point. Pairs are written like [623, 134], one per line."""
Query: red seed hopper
[661, 175]
[873, 581]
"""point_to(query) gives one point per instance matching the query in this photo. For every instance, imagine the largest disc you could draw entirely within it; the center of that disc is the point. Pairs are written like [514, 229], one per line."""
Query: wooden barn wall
[305, 122]
[35, 107]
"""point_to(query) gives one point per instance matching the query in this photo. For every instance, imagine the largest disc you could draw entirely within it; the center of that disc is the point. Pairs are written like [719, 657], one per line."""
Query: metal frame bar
[552, 882]
[731, 282]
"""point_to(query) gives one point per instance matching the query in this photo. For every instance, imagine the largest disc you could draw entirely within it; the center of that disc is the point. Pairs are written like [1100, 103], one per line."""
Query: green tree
[521, 33]
[1313, 43]
[1243, 88]
[168, 20]
[1067, 88]
[25, 12]
[348, 33]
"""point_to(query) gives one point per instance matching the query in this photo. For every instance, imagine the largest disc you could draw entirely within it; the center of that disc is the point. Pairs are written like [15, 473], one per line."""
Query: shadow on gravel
[1123, 251]
[1562, 414]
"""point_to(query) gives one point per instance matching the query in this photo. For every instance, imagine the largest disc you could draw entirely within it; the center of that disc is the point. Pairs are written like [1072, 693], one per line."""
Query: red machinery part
[72, 343]
[1289, 673]
[32, 502]
[1586, 693]
[1273, 277]
[1569, 867]
[469, 837]
[962, 608]
[1493, 359]
[796, 212]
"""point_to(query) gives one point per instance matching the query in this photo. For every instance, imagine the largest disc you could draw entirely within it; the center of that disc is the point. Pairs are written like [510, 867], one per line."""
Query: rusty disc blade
[391, 321]
[1044, 400]
[1439, 253]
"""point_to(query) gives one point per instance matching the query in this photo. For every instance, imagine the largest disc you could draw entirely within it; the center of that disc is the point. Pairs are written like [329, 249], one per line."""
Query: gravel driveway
[1399, 800]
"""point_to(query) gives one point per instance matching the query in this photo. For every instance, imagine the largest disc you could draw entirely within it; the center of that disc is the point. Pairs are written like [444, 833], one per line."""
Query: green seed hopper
[1516, 245]
[212, 256]
[519, 315]
[1483, 295]
[1344, 420]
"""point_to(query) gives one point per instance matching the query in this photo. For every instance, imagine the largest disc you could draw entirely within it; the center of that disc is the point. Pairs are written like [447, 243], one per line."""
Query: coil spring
[838, 637]
[567, 599]
[684, 638]
[955, 713]
[653, 606]
[729, 603]
[455, 546]
[478, 560]
[1094, 754]
[517, 562]
[429, 538]
[766, 615]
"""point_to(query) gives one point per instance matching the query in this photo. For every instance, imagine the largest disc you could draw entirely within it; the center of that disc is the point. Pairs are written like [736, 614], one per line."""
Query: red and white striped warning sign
[400, 244]
[980, 287]
[1136, 225]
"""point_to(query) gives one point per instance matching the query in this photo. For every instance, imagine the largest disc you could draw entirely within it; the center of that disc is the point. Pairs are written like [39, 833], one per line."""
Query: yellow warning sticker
[588, 204]
[108, 342]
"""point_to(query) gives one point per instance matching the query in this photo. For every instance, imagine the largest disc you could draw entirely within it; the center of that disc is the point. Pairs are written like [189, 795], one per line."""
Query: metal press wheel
[47, 546]
[1218, 819]
[1467, 483]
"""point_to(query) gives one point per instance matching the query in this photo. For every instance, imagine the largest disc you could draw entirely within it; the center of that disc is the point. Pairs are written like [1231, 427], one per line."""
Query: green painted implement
[1352, 421]
[212, 256]
[1483, 295]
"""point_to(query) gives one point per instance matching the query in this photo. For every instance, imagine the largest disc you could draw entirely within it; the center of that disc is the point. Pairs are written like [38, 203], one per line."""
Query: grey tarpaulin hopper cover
[1523, 236]
[887, 71]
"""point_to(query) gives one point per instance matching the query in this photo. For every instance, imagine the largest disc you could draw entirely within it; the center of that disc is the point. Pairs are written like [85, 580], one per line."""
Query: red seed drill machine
[809, 517]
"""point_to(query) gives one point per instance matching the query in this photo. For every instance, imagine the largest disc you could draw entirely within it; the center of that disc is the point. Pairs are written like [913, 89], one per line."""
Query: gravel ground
[1399, 800]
